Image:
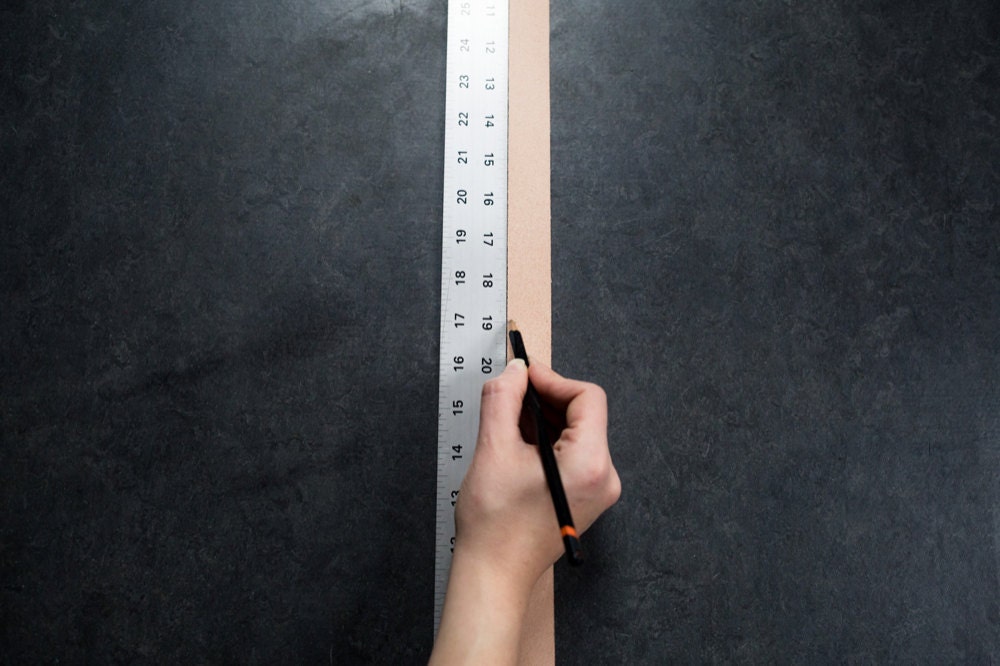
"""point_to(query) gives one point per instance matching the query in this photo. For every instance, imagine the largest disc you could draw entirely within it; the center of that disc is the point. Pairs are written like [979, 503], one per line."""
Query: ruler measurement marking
[474, 248]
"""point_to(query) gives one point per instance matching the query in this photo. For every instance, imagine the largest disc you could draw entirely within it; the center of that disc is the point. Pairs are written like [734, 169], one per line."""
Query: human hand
[507, 533]
[504, 515]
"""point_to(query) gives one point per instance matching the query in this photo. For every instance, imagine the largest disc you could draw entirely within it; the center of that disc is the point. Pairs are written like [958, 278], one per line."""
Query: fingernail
[519, 363]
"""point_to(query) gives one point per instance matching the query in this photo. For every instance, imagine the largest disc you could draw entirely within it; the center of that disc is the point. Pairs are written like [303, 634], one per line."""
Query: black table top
[776, 245]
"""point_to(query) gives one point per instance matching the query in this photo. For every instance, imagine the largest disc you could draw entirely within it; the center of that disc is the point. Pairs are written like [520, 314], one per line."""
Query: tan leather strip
[529, 276]
[529, 273]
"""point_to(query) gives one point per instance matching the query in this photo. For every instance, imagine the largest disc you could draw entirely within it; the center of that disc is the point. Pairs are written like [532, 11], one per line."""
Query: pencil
[533, 405]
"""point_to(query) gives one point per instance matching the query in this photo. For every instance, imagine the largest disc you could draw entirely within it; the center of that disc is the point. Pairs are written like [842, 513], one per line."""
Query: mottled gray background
[776, 244]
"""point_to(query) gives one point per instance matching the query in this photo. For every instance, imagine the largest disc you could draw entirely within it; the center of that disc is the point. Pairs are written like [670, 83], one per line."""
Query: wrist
[503, 575]
[484, 611]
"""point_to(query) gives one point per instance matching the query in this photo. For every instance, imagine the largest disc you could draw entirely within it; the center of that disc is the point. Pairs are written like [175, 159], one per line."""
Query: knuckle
[599, 480]
[598, 392]
[614, 489]
[595, 474]
[493, 387]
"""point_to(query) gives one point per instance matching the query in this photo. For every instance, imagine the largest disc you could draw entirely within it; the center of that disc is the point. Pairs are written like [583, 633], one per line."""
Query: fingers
[501, 404]
[585, 404]
[553, 387]
[591, 481]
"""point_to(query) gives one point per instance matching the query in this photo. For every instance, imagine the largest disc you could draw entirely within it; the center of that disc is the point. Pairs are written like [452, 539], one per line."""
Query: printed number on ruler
[474, 249]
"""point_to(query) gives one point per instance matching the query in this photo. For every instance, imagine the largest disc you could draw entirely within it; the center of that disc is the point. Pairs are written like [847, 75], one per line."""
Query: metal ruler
[474, 249]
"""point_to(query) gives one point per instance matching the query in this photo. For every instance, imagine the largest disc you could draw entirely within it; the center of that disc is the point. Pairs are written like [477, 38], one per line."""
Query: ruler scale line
[474, 248]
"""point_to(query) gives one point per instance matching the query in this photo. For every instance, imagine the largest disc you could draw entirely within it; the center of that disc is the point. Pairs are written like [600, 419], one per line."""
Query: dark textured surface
[776, 243]
[787, 219]
[219, 287]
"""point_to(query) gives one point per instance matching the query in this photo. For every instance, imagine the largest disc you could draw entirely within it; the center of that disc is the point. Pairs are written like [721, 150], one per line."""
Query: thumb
[500, 409]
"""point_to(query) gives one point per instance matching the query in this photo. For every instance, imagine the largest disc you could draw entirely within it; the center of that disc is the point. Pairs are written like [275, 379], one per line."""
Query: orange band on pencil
[568, 530]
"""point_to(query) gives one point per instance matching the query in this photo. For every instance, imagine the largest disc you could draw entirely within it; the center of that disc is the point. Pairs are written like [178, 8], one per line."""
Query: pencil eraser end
[574, 552]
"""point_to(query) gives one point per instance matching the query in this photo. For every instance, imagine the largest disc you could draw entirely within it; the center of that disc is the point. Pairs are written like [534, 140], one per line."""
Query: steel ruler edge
[474, 249]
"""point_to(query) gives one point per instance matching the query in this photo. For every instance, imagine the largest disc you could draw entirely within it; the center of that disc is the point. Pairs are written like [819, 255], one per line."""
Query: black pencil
[533, 403]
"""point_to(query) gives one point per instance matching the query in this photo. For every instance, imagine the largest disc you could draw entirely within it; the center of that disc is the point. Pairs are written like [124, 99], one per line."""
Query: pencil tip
[511, 325]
